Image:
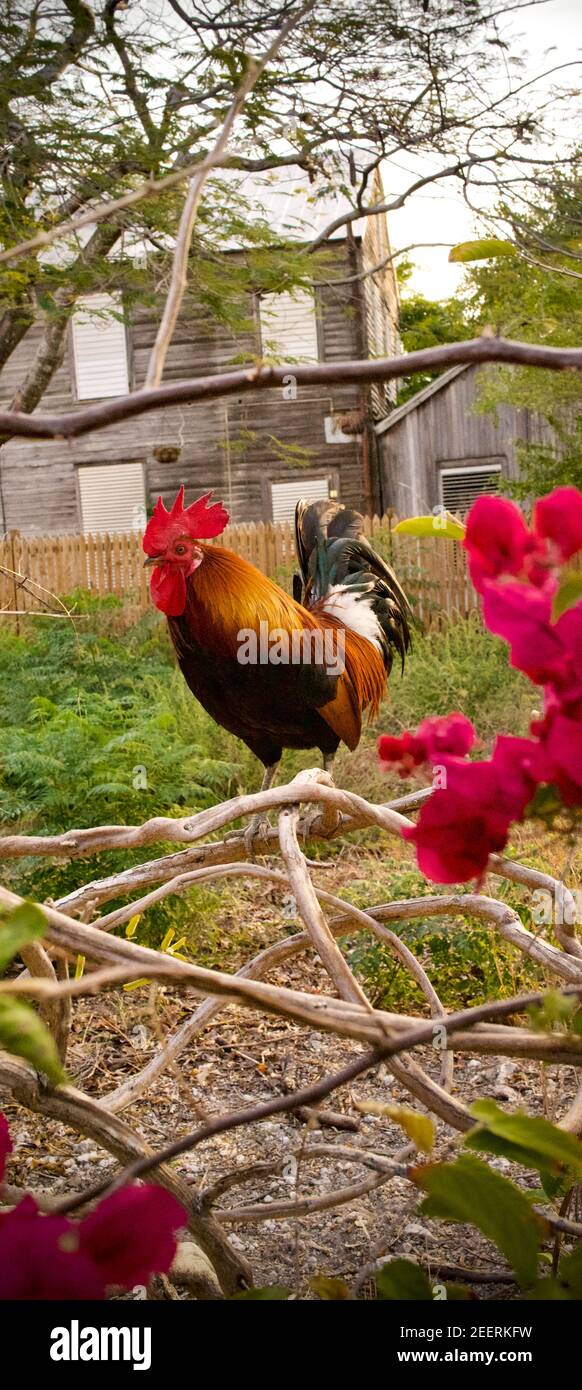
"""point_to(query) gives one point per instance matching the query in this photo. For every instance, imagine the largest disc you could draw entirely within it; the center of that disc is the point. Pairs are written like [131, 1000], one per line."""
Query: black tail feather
[333, 551]
[316, 522]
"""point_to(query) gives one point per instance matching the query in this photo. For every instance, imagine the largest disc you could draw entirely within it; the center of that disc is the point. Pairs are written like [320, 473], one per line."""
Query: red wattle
[168, 590]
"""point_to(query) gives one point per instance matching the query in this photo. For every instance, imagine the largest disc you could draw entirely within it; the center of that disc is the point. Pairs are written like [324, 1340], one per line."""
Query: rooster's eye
[180, 550]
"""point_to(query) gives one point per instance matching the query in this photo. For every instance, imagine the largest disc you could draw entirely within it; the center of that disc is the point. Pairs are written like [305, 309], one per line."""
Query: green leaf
[24, 1034]
[275, 1294]
[469, 1191]
[556, 1009]
[486, 249]
[329, 1289]
[403, 1280]
[566, 1286]
[570, 1272]
[548, 1290]
[555, 1185]
[419, 1128]
[568, 594]
[25, 924]
[438, 524]
[525, 1139]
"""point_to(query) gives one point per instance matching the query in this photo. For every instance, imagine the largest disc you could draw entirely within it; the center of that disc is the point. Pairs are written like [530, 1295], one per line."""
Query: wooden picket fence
[35, 569]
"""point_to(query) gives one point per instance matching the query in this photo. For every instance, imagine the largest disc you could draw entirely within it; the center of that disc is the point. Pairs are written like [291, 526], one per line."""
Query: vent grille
[285, 496]
[460, 486]
[112, 498]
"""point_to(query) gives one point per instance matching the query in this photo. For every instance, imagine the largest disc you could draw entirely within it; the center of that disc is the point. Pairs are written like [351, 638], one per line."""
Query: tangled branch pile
[75, 927]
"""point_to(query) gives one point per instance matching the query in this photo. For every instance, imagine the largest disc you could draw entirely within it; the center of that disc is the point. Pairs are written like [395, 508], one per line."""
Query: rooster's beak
[153, 560]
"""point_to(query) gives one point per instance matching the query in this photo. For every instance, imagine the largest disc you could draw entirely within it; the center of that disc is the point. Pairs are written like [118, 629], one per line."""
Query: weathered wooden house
[259, 453]
[438, 449]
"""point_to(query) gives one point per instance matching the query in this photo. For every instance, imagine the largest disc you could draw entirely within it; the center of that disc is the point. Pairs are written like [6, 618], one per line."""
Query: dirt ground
[243, 1058]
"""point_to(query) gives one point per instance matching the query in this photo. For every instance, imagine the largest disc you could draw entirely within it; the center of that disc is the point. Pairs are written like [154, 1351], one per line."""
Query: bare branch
[179, 275]
[302, 1206]
[75, 843]
[247, 379]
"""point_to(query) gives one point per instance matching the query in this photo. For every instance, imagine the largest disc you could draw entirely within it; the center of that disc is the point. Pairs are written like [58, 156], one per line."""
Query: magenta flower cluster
[125, 1239]
[518, 571]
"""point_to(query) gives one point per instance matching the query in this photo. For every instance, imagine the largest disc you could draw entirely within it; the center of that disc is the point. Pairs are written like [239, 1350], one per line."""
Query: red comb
[199, 521]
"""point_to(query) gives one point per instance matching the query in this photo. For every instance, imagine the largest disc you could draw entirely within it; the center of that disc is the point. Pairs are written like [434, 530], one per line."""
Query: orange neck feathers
[226, 594]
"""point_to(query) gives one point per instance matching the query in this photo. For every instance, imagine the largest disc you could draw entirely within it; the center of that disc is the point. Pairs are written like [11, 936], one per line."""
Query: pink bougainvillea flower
[468, 819]
[522, 615]
[458, 828]
[558, 519]
[451, 733]
[498, 542]
[560, 756]
[132, 1234]
[469, 815]
[568, 684]
[5, 1144]
[549, 653]
[518, 769]
[128, 1237]
[40, 1258]
[405, 751]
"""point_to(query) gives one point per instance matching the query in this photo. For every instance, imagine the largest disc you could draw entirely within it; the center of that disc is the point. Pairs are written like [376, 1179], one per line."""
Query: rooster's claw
[259, 828]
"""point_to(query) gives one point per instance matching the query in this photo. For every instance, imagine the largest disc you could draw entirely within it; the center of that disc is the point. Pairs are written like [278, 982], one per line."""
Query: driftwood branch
[77, 843]
[393, 1039]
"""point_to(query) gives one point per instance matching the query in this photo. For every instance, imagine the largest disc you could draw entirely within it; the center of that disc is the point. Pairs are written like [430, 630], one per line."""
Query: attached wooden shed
[438, 449]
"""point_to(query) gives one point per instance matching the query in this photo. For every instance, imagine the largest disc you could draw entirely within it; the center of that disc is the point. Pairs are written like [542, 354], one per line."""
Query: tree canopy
[536, 295]
[98, 103]
[532, 291]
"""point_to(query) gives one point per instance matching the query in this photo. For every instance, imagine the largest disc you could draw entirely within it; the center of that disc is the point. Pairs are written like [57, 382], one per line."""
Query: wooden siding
[228, 446]
[445, 430]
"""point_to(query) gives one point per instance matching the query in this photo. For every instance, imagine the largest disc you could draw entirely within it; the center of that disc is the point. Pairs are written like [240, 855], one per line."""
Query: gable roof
[290, 203]
[421, 396]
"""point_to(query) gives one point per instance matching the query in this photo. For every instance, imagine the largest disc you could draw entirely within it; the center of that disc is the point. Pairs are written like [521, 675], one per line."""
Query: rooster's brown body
[346, 590]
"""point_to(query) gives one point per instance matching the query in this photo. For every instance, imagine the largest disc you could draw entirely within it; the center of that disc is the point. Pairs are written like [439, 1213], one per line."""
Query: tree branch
[262, 378]
[179, 275]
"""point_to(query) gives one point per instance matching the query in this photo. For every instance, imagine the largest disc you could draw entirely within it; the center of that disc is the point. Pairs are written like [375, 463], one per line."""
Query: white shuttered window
[285, 496]
[289, 327]
[112, 497]
[99, 348]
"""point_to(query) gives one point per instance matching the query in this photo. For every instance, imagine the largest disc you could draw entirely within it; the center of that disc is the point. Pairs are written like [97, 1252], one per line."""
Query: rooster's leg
[269, 776]
[259, 826]
[325, 817]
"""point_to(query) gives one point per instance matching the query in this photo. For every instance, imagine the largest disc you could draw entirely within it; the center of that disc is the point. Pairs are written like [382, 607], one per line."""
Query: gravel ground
[243, 1058]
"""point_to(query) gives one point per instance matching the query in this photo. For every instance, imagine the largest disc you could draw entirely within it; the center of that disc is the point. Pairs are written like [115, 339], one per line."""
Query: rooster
[327, 651]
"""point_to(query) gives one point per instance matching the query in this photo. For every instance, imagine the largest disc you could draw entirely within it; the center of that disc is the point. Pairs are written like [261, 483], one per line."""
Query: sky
[441, 215]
